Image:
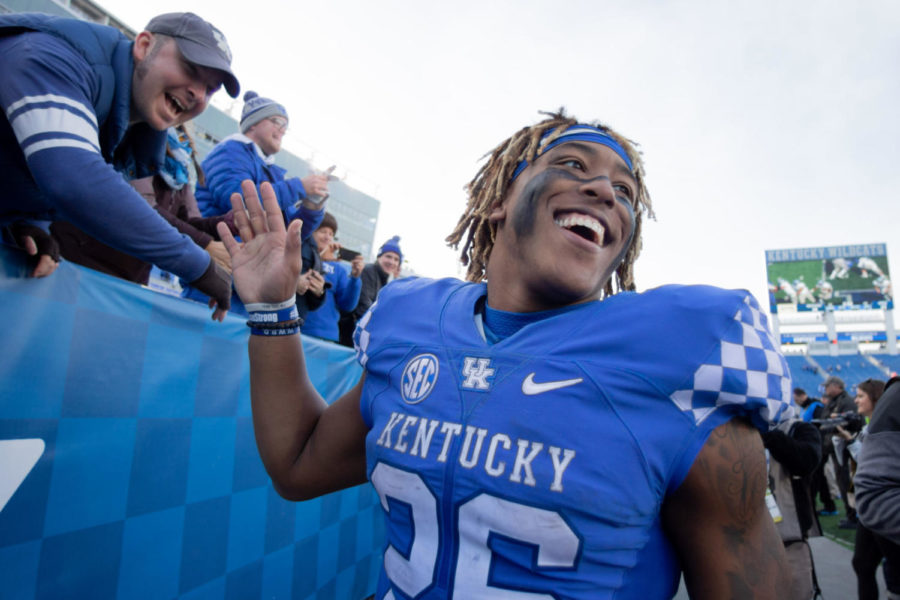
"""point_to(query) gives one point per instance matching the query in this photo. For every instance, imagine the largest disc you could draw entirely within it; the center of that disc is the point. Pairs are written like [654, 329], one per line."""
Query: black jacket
[799, 452]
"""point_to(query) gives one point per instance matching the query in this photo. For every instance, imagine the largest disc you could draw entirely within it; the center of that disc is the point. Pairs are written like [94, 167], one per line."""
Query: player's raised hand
[266, 262]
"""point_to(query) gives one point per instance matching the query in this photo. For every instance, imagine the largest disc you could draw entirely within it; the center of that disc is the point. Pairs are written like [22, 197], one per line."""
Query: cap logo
[221, 43]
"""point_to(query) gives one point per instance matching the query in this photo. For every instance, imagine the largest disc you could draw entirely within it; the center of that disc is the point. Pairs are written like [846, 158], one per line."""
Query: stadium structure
[356, 211]
[832, 310]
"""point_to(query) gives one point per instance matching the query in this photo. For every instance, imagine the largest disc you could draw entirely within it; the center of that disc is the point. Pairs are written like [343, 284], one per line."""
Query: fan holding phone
[343, 292]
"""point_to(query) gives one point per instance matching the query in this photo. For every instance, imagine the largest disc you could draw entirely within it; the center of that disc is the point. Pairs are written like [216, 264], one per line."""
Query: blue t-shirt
[341, 296]
[540, 463]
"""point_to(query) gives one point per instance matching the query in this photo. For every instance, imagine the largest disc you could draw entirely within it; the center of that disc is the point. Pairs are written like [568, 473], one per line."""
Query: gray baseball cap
[834, 379]
[200, 43]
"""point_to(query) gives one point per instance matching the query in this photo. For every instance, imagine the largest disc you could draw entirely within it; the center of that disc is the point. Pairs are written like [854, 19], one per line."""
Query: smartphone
[318, 200]
[348, 255]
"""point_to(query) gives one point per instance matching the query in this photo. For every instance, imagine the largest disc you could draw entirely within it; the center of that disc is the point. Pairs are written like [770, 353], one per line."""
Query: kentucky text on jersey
[496, 456]
[535, 467]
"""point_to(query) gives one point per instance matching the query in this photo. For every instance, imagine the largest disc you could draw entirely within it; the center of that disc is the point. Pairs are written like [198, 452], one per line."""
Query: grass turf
[845, 537]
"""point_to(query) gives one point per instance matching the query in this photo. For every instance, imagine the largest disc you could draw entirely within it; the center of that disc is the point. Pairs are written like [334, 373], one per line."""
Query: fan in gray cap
[200, 43]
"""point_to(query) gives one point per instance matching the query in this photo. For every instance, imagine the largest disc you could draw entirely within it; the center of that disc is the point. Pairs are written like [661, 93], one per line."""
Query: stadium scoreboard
[850, 277]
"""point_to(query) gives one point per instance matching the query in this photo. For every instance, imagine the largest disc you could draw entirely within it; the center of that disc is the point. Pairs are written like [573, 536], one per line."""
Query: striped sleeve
[45, 91]
[46, 95]
[52, 121]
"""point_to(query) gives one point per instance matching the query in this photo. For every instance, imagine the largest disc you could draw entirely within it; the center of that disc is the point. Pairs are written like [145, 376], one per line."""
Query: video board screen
[831, 277]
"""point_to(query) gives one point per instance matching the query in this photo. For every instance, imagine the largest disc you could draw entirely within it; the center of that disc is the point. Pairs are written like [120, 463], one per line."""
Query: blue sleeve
[225, 168]
[376, 325]
[233, 162]
[743, 374]
[347, 294]
[45, 92]
[311, 219]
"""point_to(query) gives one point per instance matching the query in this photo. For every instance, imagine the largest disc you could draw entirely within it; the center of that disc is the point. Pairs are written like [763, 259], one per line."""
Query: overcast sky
[764, 124]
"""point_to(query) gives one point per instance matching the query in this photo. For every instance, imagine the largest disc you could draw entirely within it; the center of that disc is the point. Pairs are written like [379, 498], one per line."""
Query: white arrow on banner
[17, 458]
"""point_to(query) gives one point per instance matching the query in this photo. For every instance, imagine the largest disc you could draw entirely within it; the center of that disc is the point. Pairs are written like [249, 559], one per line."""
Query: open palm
[266, 262]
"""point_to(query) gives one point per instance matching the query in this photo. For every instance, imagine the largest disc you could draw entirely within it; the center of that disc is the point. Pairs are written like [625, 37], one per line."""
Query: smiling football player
[540, 431]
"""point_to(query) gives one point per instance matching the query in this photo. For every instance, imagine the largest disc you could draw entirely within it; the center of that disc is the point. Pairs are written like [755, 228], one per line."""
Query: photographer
[839, 404]
[870, 548]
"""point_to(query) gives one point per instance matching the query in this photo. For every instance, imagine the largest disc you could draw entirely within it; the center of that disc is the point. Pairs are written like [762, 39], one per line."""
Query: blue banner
[128, 464]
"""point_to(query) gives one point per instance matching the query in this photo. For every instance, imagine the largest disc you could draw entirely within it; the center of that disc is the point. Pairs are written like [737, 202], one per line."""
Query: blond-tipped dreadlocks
[492, 182]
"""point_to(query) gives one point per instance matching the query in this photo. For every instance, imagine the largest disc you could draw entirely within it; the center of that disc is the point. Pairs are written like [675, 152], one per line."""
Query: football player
[804, 295]
[541, 430]
[840, 268]
[785, 286]
[882, 285]
[866, 264]
[824, 289]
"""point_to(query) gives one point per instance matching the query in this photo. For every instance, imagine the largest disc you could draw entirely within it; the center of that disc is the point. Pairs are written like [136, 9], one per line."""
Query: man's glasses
[280, 122]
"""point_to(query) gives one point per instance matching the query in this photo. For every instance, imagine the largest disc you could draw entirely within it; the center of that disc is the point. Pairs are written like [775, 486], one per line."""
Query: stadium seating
[851, 368]
[891, 362]
[803, 377]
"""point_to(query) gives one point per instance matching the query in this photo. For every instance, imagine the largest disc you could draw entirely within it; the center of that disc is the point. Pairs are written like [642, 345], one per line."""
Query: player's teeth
[584, 221]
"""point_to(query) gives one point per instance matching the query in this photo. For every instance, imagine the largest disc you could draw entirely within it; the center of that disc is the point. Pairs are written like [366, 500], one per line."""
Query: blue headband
[578, 133]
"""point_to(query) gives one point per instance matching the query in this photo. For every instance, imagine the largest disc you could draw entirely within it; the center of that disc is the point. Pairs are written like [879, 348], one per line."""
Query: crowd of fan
[158, 158]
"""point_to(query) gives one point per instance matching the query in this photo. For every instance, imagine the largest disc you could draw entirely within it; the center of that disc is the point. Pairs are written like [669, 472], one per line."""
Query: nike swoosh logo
[530, 387]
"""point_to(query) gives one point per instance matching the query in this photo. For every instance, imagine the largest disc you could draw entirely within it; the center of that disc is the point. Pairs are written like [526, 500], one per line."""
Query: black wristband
[275, 329]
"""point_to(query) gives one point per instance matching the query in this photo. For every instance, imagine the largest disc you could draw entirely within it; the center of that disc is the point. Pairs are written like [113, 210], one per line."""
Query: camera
[851, 421]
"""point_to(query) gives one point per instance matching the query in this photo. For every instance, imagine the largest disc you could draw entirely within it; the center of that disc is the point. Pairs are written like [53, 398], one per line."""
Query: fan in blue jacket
[251, 155]
[343, 292]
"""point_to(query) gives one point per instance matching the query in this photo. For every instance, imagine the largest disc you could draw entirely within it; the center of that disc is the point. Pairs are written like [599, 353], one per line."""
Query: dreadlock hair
[493, 180]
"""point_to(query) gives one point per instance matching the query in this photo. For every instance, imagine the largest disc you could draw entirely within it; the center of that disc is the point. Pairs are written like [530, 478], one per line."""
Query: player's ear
[497, 212]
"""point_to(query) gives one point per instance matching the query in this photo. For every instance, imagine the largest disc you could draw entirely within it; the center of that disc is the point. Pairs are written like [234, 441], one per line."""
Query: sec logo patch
[418, 378]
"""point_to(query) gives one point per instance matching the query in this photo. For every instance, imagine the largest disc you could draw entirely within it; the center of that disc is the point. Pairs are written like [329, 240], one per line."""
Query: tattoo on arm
[723, 496]
[739, 475]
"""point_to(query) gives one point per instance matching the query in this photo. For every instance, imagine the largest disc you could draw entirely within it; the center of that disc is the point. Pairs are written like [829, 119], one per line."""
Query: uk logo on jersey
[476, 372]
[419, 378]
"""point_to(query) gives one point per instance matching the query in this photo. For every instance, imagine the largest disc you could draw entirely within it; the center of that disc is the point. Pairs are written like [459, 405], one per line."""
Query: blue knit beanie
[257, 108]
[392, 245]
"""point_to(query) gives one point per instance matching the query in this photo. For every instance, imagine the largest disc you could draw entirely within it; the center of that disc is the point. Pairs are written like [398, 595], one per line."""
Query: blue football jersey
[536, 467]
